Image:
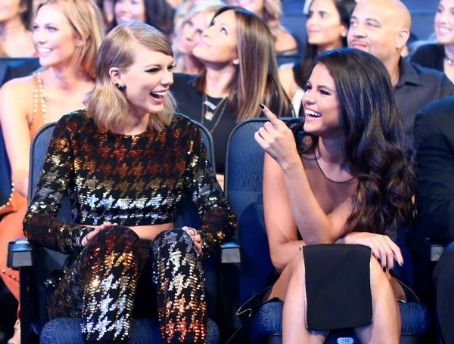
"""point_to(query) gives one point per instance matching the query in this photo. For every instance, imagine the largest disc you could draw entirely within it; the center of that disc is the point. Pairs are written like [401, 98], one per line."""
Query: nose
[167, 78]
[441, 16]
[39, 36]
[356, 31]
[208, 32]
[308, 98]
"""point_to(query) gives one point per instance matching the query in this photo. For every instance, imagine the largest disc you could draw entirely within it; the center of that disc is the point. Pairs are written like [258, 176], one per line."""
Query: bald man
[382, 28]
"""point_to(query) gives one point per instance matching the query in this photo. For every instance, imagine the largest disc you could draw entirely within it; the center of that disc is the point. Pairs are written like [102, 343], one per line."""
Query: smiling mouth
[312, 114]
[158, 94]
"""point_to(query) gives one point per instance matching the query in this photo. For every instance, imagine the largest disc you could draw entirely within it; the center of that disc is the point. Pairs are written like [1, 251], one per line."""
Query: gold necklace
[39, 98]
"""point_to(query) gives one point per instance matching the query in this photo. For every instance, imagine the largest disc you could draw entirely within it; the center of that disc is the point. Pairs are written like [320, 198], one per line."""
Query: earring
[120, 87]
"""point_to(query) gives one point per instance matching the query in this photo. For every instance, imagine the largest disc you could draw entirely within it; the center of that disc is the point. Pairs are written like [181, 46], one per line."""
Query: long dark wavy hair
[375, 145]
[345, 9]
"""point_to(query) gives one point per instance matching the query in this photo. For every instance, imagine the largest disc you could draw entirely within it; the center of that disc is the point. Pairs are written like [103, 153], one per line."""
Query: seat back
[45, 260]
[243, 187]
[15, 67]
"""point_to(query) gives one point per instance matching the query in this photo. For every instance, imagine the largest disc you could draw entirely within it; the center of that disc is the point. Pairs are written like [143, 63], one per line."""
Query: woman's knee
[173, 240]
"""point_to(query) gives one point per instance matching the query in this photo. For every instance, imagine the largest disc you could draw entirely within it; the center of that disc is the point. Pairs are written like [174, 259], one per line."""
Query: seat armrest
[230, 253]
[19, 254]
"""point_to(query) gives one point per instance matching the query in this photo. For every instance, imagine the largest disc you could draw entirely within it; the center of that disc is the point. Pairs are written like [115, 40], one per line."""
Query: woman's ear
[115, 75]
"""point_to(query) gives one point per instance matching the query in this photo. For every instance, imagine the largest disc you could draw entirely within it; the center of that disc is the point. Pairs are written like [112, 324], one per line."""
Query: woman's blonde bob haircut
[86, 20]
[108, 105]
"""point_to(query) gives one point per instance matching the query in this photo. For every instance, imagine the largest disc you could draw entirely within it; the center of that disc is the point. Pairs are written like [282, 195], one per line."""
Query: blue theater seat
[243, 187]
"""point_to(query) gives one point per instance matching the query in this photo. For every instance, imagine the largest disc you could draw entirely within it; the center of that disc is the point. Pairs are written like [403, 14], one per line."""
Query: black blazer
[434, 143]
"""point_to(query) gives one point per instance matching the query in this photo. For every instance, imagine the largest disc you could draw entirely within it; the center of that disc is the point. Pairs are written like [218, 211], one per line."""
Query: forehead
[374, 11]
[447, 3]
[323, 5]
[226, 18]
[321, 75]
[147, 56]
[50, 13]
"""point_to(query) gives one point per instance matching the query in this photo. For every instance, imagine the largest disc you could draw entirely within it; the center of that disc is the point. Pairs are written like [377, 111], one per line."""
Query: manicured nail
[262, 106]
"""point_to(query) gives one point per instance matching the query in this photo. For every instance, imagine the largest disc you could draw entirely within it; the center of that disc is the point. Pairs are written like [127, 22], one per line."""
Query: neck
[393, 70]
[449, 53]
[11, 28]
[219, 80]
[135, 124]
[329, 46]
[191, 64]
[67, 79]
[332, 150]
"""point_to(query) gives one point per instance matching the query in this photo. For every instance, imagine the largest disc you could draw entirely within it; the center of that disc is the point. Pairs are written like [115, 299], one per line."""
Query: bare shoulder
[19, 86]
[285, 42]
[16, 96]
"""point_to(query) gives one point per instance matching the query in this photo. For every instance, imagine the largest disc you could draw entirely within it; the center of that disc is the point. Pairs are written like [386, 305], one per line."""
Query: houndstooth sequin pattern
[129, 180]
[177, 272]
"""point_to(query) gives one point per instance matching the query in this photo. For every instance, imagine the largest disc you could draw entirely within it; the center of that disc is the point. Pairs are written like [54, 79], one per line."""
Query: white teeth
[160, 93]
[44, 50]
[312, 113]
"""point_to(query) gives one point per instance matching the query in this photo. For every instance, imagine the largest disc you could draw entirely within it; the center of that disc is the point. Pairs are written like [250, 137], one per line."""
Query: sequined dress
[129, 180]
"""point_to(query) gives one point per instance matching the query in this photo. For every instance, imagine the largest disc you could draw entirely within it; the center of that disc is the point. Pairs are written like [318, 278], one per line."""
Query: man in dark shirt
[382, 28]
[434, 143]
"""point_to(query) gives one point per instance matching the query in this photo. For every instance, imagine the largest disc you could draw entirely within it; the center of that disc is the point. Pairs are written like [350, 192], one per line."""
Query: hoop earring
[120, 87]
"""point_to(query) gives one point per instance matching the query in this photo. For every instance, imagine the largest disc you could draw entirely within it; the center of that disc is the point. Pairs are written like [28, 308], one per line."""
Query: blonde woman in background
[271, 12]
[67, 35]
[189, 35]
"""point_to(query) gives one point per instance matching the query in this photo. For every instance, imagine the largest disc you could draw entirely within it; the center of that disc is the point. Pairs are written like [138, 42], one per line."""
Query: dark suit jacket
[434, 142]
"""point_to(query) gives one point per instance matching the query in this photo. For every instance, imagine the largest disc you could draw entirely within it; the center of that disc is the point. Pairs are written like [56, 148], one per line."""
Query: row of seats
[228, 284]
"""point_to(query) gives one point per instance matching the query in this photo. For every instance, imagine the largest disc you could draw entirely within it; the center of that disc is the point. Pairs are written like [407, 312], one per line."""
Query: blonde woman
[271, 12]
[128, 161]
[189, 35]
[67, 34]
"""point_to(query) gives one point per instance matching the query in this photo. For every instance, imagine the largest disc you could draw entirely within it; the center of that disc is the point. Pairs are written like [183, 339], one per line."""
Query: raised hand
[276, 138]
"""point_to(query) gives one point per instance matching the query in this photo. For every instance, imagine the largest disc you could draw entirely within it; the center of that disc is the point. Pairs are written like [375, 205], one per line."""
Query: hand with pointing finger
[276, 138]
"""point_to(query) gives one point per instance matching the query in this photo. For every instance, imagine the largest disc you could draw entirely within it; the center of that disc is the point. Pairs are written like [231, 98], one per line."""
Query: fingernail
[262, 106]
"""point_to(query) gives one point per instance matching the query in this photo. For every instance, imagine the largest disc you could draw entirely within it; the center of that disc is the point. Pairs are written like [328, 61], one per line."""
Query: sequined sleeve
[218, 220]
[41, 223]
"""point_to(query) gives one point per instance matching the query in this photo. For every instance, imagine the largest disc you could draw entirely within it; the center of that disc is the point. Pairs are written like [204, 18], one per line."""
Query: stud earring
[120, 87]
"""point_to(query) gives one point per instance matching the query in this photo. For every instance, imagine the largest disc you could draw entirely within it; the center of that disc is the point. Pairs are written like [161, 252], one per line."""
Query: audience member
[128, 162]
[106, 7]
[382, 28]
[233, 83]
[67, 34]
[157, 13]
[326, 27]
[349, 180]
[434, 143]
[189, 35]
[271, 12]
[440, 55]
[15, 36]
